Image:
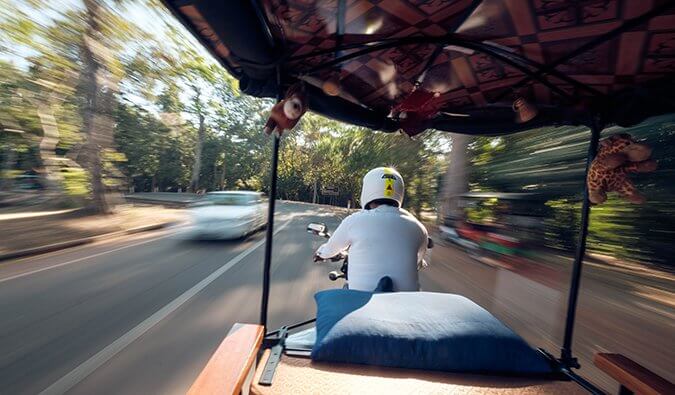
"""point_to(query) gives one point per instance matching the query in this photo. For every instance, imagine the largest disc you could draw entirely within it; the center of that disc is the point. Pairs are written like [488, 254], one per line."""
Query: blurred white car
[228, 214]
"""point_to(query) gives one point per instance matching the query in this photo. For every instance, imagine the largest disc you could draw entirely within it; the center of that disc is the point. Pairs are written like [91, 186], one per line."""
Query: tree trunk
[316, 182]
[8, 164]
[97, 121]
[222, 174]
[196, 168]
[50, 138]
[455, 181]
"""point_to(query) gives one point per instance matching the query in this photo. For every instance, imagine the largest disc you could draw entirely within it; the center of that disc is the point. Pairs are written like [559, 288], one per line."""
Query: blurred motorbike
[320, 229]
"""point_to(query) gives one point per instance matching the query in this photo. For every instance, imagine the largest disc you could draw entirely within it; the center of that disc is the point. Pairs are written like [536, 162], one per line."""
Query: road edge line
[78, 242]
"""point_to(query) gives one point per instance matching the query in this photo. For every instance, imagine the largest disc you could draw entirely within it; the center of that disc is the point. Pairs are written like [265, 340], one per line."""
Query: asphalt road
[142, 314]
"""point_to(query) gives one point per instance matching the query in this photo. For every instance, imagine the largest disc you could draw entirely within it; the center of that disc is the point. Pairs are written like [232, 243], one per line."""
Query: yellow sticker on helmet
[388, 182]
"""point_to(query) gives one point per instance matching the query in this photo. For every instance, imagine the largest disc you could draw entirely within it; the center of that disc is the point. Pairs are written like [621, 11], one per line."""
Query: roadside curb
[87, 240]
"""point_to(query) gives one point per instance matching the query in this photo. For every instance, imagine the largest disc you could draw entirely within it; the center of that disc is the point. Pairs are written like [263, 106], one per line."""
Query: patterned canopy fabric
[572, 60]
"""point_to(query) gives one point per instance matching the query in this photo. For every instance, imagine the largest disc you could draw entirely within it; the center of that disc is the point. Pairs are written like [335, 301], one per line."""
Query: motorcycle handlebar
[336, 258]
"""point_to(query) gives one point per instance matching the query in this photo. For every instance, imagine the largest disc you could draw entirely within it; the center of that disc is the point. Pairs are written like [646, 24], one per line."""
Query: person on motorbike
[383, 240]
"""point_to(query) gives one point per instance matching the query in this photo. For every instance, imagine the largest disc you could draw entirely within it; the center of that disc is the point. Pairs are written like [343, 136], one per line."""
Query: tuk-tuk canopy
[569, 62]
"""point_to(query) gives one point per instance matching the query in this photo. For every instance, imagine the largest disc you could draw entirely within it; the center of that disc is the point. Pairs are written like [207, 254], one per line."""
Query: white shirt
[384, 241]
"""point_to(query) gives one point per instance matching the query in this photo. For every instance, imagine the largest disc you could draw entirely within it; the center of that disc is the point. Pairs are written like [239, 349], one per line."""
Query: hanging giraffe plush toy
[617, 156]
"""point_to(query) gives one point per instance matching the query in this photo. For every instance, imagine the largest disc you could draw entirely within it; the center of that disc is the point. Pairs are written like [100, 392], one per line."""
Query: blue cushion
[418, 330]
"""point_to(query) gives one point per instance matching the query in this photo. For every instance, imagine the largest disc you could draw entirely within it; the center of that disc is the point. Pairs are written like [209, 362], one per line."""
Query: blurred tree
[455, 180]
[36, 98]
[142, 138]
[99, 83]
[211, 137]
[74, 76]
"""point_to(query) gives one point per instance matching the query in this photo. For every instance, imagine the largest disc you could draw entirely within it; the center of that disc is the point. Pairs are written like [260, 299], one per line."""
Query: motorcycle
[320, 229]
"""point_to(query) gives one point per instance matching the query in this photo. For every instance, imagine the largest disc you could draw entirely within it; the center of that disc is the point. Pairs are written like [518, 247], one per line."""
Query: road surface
[620, 310]
[143, 313]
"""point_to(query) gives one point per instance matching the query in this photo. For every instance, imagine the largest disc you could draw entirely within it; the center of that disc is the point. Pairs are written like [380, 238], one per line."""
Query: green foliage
[179, 117]
[323, 152]
[141, 138]
[552, 161]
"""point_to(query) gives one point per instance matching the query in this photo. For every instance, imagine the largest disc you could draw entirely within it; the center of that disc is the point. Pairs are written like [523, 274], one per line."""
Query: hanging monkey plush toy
[617, 156]
[286, 114]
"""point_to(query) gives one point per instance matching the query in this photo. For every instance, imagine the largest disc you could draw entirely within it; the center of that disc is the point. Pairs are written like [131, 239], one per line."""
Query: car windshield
[230, 199]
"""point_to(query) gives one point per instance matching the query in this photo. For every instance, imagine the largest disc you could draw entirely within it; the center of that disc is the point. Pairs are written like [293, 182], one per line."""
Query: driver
[382, 239]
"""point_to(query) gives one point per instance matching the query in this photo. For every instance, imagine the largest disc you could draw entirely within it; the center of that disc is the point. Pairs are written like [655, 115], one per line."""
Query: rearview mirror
[319, 229]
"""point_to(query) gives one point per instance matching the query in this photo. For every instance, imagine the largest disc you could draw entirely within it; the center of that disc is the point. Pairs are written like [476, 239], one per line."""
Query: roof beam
[509, 58]
[550, 68]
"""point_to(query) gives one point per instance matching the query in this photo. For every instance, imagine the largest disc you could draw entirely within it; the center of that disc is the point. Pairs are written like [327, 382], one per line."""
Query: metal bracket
[275, 357]
[569, 361]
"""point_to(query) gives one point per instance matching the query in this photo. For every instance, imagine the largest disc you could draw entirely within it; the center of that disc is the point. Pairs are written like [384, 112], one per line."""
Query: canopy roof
[576, 61]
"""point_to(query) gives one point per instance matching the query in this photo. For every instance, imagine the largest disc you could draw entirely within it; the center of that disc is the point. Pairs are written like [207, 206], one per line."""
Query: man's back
[384, 241]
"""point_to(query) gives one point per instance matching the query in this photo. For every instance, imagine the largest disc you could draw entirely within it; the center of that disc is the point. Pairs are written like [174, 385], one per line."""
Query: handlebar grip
[334, 275]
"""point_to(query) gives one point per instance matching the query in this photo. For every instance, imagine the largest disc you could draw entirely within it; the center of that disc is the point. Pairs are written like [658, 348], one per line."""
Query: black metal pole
[588, 386]
[270, 232]
[566, 358]
[264, 302]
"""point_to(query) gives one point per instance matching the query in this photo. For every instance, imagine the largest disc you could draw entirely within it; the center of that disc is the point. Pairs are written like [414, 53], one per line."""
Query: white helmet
[382, 183]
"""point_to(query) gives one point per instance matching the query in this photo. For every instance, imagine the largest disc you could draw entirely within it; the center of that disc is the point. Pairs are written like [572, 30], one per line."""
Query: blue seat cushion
[418, 330]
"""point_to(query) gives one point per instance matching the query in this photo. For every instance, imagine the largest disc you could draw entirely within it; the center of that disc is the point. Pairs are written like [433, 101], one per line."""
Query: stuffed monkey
[286, 114]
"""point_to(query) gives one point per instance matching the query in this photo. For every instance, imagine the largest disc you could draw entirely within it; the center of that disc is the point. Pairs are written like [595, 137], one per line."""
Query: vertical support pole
[270, 232]
[566, 358]
[340, 19]
[270, 219]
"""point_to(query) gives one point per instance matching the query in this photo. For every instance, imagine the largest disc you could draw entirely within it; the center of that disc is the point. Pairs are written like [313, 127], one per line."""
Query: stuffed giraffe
[617, 156]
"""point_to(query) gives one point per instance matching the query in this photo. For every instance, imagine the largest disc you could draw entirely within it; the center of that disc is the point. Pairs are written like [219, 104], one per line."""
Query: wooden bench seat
[230, 368]
[299, 376]
[633, 378]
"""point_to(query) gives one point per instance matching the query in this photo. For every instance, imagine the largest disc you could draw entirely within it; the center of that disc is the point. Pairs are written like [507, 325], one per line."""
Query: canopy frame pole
[439, 47]
[567, 359]
[264, 303]
[449, 39]
[340, 25]
[511, 59]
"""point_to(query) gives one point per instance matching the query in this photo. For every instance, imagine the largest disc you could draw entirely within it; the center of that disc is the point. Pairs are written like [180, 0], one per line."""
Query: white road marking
[89, 366]
[12, 216]
[28, 273]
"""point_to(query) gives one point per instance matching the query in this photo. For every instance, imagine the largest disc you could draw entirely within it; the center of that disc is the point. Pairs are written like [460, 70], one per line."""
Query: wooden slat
[632, 376]
[229, 366]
